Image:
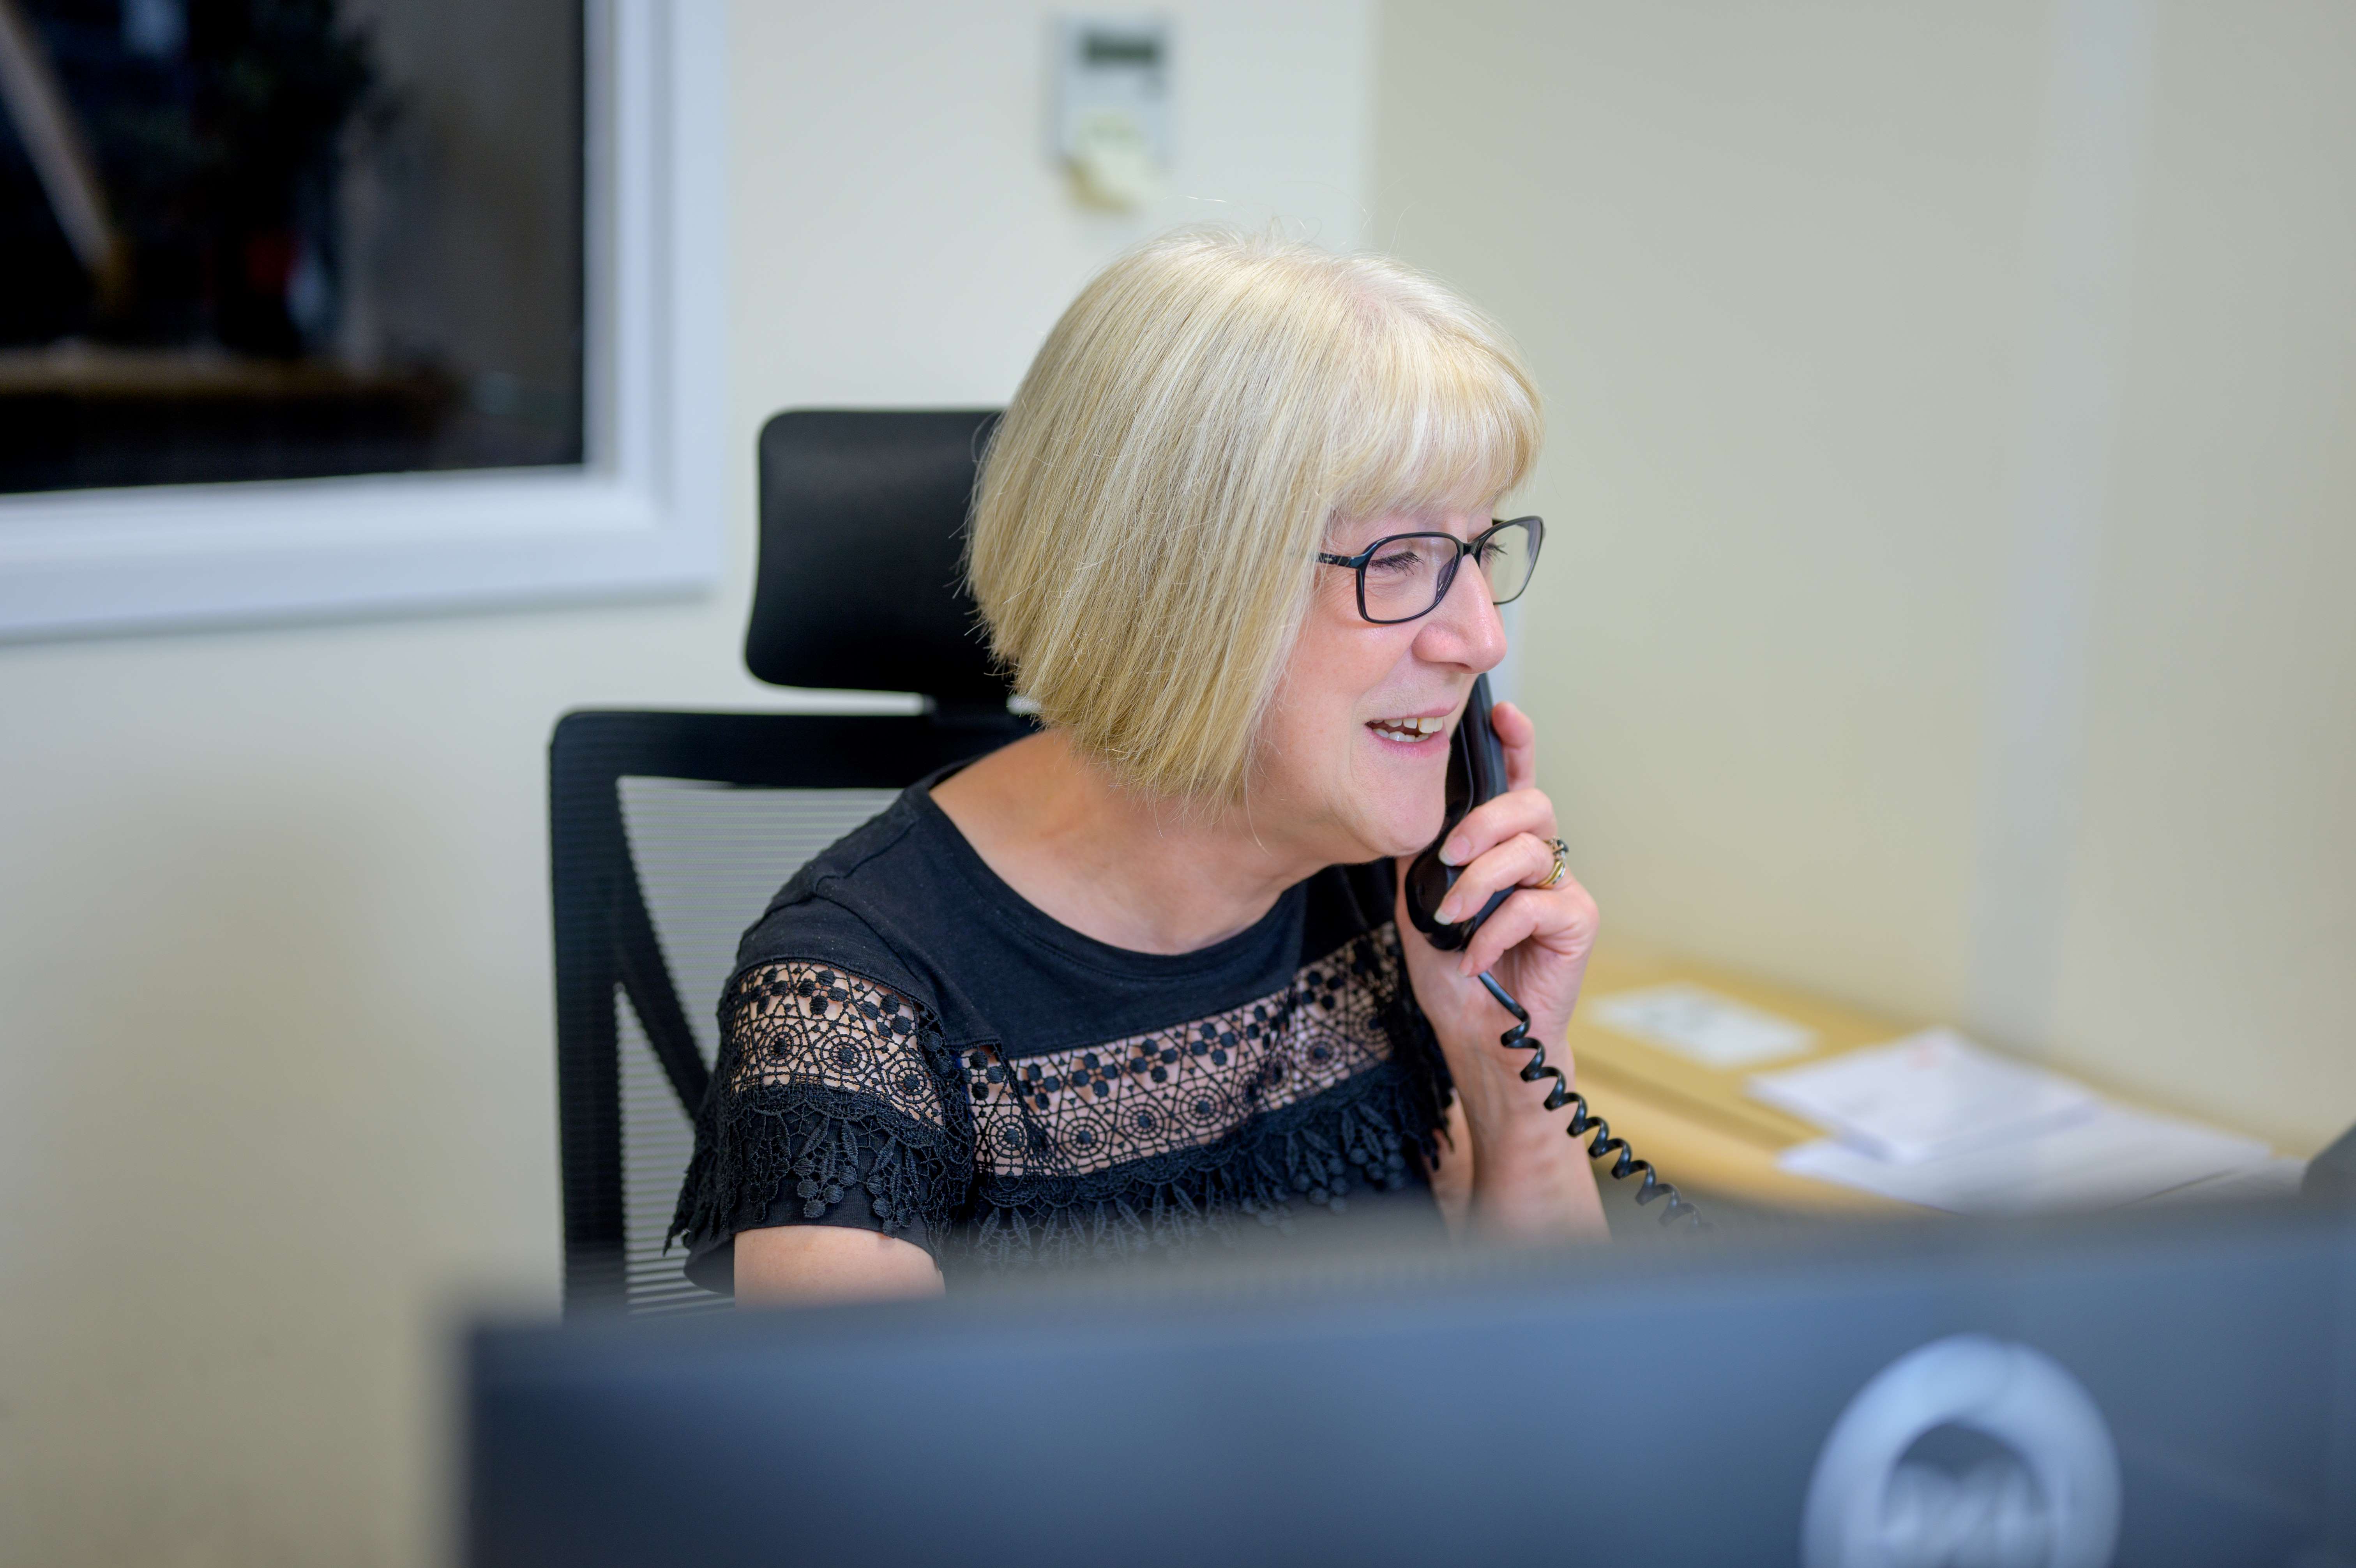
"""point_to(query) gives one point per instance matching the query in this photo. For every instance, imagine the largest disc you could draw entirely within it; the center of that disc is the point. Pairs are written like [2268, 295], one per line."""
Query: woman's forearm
[1531, 1180]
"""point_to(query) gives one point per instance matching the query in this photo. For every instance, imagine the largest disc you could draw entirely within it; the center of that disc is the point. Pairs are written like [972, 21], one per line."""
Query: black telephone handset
[1477, 772]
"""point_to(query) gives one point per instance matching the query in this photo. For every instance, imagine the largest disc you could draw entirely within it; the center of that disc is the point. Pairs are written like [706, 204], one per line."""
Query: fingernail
[1453, 853]
[1446, 913]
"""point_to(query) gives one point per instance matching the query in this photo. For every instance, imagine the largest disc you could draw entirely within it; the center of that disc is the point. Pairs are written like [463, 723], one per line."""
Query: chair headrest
[862, 528]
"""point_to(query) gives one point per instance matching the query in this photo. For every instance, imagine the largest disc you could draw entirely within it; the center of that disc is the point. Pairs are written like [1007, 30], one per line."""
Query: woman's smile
[1412, 731]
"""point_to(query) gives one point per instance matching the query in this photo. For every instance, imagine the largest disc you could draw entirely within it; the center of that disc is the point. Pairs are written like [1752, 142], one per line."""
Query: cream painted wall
[1777, 269]
[1764, 262]
[2210, 944]
[275, 1078]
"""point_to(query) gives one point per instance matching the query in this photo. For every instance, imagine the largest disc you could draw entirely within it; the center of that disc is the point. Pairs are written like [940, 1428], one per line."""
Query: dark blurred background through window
[286, 239]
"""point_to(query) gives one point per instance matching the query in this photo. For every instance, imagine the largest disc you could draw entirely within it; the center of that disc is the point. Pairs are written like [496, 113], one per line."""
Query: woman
[1136, 984]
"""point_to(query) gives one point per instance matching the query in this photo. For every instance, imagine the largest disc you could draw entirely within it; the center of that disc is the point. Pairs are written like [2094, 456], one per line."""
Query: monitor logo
[2047, 1497]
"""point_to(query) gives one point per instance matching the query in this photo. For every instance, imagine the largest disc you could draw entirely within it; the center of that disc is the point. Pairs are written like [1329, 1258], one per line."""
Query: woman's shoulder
[844, 906]
[898, 900]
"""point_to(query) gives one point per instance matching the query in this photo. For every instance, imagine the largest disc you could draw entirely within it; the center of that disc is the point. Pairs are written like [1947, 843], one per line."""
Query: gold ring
[1561, 864]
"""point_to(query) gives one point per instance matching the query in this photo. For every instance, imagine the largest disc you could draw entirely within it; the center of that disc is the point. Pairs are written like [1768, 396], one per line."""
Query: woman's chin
[1378, 818]
[1404, 801]
[1401, 827]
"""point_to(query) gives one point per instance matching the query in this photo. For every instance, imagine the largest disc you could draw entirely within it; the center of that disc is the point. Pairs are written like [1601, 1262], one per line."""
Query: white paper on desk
[1925, 1096]
[2113, 1156]
[1713, 1030]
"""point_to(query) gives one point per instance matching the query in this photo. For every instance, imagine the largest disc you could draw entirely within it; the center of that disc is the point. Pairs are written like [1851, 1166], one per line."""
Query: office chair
[670, 831]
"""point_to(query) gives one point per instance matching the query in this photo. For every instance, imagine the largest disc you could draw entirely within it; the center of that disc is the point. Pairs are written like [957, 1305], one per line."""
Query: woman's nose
[1465, 629]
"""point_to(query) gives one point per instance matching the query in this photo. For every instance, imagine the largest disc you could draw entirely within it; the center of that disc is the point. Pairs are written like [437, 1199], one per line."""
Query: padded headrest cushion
[863, 524]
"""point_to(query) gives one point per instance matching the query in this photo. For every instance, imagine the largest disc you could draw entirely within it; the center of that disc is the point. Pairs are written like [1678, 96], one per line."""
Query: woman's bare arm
[781, 1265]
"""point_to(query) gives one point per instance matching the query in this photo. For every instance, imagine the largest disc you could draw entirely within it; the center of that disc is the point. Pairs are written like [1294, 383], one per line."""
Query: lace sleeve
[829, 1087]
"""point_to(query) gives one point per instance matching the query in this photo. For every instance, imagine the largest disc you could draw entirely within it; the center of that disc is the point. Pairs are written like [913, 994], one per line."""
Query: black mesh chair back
[670, 832]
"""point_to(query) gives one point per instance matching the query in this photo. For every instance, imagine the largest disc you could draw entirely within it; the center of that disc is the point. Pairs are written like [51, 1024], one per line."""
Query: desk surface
[1693, 1122]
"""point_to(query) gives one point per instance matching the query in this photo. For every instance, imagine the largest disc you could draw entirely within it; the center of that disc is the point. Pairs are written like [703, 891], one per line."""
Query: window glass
[285, 239]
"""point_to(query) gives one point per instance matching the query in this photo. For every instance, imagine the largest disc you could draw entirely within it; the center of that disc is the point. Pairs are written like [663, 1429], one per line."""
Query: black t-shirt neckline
[1246, 949]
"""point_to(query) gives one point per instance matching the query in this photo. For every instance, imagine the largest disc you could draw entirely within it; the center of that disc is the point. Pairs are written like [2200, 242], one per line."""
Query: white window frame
[642, 516]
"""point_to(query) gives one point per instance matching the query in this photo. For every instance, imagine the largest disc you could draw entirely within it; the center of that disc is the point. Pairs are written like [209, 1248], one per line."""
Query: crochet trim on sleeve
[829, 1082]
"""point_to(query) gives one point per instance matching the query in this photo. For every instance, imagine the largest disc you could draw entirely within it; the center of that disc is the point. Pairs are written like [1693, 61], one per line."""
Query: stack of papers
[1925, 1097]
[1936, 1120]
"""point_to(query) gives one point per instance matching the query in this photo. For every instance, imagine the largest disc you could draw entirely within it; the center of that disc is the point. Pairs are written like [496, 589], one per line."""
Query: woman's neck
[1134, 871]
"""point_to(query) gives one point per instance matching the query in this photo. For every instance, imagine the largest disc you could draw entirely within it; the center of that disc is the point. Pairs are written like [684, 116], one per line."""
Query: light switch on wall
[1112, 107]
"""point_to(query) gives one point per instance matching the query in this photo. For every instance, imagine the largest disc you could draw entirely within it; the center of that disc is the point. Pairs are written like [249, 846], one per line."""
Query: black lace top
[909, 1047]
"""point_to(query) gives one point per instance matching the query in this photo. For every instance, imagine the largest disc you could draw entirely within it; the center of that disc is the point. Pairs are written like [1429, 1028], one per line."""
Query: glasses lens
[1509, 557]
[1405, 575]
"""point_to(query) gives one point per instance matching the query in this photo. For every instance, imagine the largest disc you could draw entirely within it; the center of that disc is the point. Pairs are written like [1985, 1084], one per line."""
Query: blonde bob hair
[1144, 534]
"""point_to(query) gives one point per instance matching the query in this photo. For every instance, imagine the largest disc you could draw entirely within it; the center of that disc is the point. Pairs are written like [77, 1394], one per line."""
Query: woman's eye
[1397, 563]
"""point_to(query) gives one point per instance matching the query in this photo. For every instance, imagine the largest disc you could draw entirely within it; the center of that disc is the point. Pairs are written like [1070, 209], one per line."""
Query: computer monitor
[2176, 1389]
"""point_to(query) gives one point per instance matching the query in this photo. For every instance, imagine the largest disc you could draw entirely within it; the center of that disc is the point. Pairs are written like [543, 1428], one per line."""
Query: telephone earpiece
[1477, 772]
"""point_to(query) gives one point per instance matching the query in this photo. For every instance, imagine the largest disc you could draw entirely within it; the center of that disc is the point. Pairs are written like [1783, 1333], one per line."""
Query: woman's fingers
[1509, 842]
[1523, 861]
[1494, 822]
[1520, 738]
[1560, 918]
[1514, 923]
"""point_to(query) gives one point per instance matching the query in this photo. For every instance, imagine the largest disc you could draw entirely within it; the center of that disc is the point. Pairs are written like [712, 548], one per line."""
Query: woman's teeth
[1406, 731]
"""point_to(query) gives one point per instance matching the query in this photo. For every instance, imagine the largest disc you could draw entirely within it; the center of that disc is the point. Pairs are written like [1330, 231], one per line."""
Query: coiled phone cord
[1582, 1118]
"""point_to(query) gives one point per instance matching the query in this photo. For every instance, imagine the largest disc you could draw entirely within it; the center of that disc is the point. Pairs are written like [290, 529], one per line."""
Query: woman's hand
[1530, 1178]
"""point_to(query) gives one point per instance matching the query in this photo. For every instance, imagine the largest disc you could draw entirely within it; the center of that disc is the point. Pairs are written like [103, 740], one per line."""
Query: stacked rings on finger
[1561, 862]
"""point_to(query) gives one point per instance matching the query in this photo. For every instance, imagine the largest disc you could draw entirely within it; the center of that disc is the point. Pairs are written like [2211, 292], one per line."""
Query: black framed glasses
[1405, 576]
